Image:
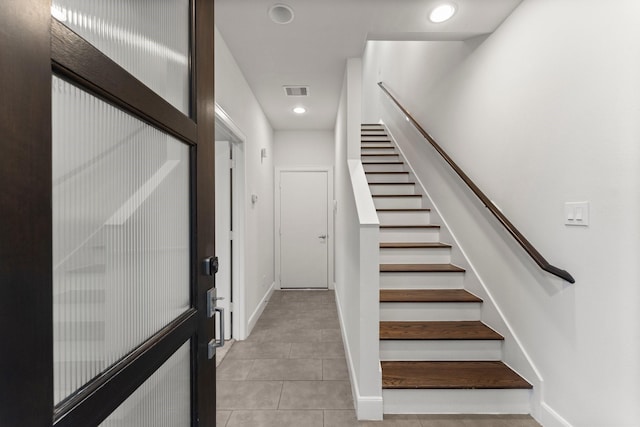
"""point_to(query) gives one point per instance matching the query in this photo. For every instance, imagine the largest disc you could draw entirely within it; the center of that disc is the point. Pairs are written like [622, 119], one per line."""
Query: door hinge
[230, 307]
[230, 235]
[232, 163]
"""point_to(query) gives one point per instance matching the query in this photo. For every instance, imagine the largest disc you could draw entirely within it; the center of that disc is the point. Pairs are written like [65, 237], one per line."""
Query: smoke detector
[281, 13]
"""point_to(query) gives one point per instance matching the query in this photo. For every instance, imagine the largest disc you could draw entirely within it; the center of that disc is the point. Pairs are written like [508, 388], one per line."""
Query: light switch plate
[576, 213]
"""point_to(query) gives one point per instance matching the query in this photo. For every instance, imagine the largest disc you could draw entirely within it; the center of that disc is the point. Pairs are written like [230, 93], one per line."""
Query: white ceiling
[313, 49]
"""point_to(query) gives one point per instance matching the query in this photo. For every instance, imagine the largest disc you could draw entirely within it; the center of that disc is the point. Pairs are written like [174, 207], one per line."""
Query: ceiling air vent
[296, 90]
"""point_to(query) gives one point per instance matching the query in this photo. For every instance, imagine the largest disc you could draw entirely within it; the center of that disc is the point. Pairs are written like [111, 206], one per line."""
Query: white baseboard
[255, 316]
[367, 407]
[551, 418]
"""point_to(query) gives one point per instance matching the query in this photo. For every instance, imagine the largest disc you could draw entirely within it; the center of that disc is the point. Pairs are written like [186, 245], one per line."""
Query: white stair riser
[440, 350]
[86, 355]
[456, 401]
[429, 311]
[387, 177]
[373, 136]
[415, 256]
[380, 150]
[377, 142]
[81, 313]
[397, 202]
[392, 189]
[391, 235]
[80, 330]
[384, 168]
[87, 257]
[380, 159]
[404, 218]
[421, 280]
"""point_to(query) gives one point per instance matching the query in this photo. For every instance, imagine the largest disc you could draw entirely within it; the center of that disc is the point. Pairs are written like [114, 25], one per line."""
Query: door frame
[330, 219]
[36, 46]
[238, 146]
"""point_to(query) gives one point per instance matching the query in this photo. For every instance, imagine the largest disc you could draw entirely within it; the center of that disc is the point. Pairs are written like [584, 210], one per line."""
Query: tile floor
[292, 372]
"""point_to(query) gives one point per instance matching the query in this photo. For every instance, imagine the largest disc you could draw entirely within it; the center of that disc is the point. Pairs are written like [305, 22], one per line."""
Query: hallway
[292, 372]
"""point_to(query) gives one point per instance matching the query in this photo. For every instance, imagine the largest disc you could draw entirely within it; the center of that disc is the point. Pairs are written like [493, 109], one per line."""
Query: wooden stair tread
[386, 173]
[388, 227]
[380, 155]
[450, 375]
[414, 245]
[393, 183]
[396, 195]
[402, 209]
[397, 226]
[382, 163]
[440, 330]
[420, 268]
[427, 295]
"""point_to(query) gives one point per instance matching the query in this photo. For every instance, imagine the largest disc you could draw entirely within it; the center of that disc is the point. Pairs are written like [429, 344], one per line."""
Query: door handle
[322, 236]
[214, 343]
[212, 297]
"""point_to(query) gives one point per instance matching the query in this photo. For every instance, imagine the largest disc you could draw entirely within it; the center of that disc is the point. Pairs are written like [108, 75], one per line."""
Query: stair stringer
[514, 354]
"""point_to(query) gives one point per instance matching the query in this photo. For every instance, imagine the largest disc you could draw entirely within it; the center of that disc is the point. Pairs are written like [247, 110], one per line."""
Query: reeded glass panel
[148, 38]
[161, 401]
[120, 234]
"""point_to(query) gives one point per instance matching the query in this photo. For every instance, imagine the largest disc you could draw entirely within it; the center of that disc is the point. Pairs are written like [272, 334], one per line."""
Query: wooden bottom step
[450, 375]
[441, 330]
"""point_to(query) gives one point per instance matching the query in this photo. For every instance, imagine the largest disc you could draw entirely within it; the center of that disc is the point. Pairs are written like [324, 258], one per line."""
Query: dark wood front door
[37, 54]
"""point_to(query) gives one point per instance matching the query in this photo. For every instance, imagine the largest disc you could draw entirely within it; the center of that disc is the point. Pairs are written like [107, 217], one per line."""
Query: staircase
[437, 356]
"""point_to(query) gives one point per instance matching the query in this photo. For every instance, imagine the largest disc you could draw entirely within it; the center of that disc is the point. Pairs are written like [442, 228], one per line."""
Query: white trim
[370, 407]
[255, 316]
[239, 314]
[229, 124]
[551, 418]
[367, 407]
[330, 220]
[239, 242]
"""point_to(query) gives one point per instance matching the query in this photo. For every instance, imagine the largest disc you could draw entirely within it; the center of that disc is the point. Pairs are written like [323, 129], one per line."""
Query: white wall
[233, 94]
[542, 112]
[304, 148]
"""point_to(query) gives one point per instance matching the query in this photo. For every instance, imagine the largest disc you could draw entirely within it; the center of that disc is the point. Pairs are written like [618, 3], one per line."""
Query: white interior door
[223, 231]
[304, 238]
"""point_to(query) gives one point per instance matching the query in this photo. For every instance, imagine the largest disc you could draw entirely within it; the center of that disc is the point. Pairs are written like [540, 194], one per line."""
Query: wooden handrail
[526, 245]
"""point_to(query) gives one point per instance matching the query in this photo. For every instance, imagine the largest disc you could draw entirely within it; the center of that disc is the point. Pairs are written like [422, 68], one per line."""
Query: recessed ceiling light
[281, 13]
[442, 13]
[299, 110]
